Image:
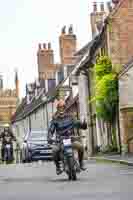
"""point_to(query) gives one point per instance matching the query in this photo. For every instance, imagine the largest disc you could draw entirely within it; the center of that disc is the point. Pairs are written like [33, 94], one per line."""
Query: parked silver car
[35, 147]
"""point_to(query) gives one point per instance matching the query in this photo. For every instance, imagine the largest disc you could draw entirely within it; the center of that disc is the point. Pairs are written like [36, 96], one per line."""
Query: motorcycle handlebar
[66, 137]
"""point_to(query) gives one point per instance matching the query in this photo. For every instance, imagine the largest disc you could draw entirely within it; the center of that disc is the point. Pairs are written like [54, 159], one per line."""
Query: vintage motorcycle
[68, 159]
[8, 151]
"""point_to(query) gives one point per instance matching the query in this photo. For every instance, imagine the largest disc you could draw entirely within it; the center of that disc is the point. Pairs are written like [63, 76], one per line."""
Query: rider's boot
[2, 154]
[82, 166]
[81, 162]
[58, 169]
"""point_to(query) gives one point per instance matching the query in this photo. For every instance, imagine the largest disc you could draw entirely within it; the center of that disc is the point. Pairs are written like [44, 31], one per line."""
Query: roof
[83, 50]
[116, 8]
[126, 67]
[91, 51]
[69, 103]
[25, 109]
[72, 101]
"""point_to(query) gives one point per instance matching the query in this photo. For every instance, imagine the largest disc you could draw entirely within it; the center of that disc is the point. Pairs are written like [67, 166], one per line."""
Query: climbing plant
[106, 89]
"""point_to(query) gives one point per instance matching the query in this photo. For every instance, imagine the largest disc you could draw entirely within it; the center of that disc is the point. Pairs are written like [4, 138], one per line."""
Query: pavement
[38, 181]
[120, 159]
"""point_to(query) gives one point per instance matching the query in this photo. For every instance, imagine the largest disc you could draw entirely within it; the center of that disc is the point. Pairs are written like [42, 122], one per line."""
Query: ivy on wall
[106, 89]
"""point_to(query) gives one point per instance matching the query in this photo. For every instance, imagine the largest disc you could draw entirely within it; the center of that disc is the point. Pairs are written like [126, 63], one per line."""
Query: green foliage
[106, 89]
[109, 148]
[103, 67]
[109, 24]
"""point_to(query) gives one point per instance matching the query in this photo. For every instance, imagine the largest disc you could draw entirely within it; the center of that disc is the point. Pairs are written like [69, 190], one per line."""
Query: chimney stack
[67, 44]
[44, 45]
[45, 60]
[97, 18]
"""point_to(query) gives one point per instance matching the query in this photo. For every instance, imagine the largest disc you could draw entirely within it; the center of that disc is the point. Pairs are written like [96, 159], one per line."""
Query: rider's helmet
[61, 106]
[6, 127]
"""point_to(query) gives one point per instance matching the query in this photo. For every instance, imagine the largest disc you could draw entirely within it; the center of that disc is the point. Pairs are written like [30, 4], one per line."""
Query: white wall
[126, 90]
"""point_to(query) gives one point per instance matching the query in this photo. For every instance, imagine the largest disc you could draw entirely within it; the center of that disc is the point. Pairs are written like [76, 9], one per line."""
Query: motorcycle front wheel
[72, 171]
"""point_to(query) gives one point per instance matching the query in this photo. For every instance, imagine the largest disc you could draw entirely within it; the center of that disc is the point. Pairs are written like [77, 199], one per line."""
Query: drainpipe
[118, 120]
[47, 115]
[29, 123]
[90, 116]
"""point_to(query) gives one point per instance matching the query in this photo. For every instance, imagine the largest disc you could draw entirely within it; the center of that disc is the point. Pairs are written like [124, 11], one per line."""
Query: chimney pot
[63, 30]
[95, 7]
[70, 30]
[109, 6]
[44, 45]
[39, 46]
[49, 45]
[102, 6]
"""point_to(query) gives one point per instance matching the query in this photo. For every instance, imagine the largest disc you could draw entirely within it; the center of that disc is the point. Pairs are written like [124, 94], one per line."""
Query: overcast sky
[25, 23]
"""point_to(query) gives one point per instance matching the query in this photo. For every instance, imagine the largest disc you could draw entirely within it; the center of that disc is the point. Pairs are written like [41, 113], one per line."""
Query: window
[51, 83]
[60, 76]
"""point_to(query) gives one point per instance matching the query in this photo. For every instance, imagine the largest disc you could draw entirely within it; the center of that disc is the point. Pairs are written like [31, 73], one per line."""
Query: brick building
[8, 102]
[118, 45]
[120, 32]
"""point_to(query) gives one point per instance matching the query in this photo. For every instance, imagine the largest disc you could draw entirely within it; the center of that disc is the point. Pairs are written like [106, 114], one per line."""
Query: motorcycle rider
[7, 136]
[62, 125]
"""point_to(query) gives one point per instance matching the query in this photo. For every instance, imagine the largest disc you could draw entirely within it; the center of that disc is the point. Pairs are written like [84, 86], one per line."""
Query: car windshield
[38, 135]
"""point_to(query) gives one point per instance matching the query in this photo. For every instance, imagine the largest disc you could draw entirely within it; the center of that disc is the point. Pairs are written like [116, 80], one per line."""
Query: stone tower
[67, 44]
[97, 18]
[45, 61]
[1, 82]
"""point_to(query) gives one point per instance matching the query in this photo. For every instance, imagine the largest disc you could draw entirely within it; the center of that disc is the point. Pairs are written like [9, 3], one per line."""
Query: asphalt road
[39, 182]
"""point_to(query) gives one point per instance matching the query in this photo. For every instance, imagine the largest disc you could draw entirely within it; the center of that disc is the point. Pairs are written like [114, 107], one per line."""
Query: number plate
[45, 151]
[8, 146]
[67, 142]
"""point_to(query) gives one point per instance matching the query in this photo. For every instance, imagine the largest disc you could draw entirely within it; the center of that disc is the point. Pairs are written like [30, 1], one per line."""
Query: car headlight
[31, 146]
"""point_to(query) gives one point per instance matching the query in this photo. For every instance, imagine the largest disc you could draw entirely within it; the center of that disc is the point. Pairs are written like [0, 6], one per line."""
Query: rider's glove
[84, 124]
[50, 141]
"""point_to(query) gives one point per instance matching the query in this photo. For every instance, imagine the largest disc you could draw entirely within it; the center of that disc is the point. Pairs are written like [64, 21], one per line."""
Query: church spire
[17, 83]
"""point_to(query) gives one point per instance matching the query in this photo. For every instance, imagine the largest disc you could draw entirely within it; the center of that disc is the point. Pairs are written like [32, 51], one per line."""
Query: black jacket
[7, 137]
[64, 125]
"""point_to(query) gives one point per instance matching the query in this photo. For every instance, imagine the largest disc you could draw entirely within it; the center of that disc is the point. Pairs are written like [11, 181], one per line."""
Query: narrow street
[38, 181]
